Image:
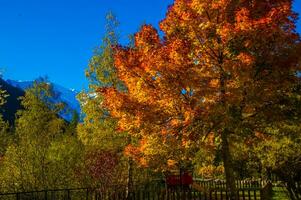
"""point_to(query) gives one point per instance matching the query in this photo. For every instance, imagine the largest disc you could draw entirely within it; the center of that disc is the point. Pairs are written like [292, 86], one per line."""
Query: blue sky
[57, 37]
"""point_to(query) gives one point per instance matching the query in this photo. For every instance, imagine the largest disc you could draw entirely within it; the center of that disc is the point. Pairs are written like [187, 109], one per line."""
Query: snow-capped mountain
[63, 94]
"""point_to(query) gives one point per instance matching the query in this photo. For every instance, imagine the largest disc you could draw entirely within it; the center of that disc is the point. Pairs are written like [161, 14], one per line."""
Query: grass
[279, 193]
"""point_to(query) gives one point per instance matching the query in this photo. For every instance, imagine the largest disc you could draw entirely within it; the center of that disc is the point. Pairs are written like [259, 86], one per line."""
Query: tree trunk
[129, 187]
[226, 156]
[229, 172]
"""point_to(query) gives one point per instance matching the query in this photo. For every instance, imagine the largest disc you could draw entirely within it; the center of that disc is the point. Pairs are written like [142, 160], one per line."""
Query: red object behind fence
[174, 180]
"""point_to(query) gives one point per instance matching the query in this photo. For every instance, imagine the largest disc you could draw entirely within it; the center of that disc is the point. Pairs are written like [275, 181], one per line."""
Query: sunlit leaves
[222, 65]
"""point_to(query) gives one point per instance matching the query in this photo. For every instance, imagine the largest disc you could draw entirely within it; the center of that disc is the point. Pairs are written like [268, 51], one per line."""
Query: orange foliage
[211, 172]
[239, 53]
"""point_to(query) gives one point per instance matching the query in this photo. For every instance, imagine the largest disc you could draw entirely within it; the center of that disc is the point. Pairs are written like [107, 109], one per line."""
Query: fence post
[87, 194]
[45, 194]
[266, 191]
[68, 194]
[18, 196]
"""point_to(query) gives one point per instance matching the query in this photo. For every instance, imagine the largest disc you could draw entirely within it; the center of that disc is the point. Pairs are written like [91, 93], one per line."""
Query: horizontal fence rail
[241, 184]
[154, 190]
[88, 194]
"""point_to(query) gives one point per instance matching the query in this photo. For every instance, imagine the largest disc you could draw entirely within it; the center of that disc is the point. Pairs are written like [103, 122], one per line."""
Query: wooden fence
[155, 190]
[240, 184]
[88, 194]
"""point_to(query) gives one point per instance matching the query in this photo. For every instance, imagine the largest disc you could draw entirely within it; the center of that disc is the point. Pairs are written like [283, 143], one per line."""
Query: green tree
[3, 96]
[98, 130]
[42, 157]
[5, 134]
[280, 153]
[101, 71]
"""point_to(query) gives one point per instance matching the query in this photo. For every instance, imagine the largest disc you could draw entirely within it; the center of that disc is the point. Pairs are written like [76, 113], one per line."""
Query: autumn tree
[220, 69]
[279, 153]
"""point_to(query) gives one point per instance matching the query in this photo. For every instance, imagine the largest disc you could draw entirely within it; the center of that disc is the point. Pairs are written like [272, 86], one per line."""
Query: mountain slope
[13, 103]
[65, 95]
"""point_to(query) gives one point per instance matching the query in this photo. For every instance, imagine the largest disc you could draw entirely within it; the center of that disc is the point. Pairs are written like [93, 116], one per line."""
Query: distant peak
[19, 81]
